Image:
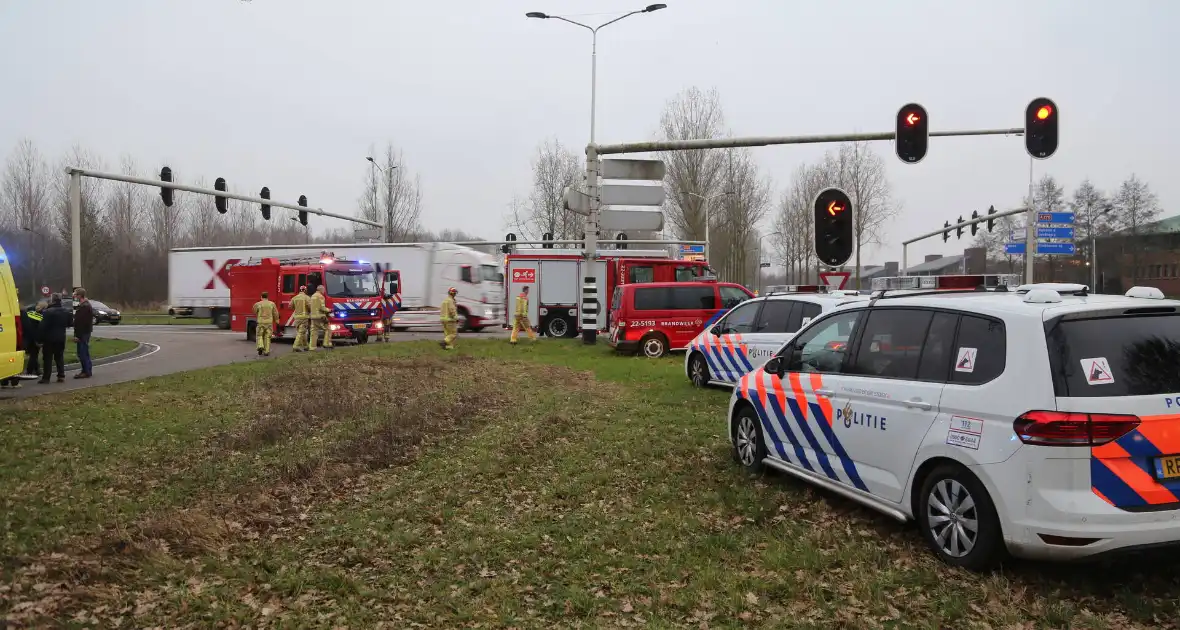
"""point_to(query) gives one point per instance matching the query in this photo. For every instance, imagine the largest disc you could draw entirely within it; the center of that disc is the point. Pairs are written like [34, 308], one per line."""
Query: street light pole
[594, 49]
[709, 202]
[389, 206]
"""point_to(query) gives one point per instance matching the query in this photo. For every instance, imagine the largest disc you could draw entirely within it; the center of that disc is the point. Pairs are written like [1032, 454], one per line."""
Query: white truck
[418, 273]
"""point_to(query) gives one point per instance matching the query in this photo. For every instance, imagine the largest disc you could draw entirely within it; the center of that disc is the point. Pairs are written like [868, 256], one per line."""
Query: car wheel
[698, 370]
[749, 445]
[557, 327]
[958, 519]
[653, 346]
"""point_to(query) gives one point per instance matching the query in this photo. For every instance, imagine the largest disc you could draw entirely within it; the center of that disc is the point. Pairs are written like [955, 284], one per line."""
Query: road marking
[154, 349]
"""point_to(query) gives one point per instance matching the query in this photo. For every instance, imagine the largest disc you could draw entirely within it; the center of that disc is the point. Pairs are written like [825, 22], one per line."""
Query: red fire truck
[353, 292]
[554, 278]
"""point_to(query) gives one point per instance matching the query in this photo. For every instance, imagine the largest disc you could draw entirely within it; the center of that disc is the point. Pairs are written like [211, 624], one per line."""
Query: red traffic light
[835, 208]
[1044, 112]
[912, 119]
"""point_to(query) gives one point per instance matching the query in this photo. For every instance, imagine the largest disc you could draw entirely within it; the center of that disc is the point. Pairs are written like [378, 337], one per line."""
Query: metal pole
[707, 258]
[590, 275]
[1030, 231]
[1093, 255]
[762, 141]
[76, 228]
[904, 253]
[593, 79]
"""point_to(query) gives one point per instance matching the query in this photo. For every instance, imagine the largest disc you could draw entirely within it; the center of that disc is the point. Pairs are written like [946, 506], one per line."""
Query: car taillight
[1059, 428]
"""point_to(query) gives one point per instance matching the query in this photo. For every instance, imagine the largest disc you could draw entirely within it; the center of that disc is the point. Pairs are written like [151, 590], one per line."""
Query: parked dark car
[104, 314]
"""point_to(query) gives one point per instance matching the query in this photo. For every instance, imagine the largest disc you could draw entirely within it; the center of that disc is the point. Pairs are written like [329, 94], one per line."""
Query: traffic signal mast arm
[982, 218]
[762, 141]
[215, 193]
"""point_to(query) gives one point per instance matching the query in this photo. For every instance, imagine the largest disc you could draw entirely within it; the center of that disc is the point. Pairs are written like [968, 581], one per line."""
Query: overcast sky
[292, 93]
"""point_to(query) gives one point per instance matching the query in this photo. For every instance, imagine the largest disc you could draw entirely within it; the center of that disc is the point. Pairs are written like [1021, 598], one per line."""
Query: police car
[1040, 420]
[746, 336]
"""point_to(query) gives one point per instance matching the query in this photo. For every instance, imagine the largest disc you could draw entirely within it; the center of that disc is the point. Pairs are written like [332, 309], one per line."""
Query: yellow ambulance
[12, 358]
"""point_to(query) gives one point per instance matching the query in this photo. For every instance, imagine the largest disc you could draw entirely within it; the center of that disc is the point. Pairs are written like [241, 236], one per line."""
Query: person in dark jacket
[30, 321]
[83, 327]
[52, 336]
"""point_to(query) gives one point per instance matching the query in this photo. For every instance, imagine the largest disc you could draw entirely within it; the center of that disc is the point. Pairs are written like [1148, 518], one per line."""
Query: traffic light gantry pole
[944, 230]
[76, 175]
[762, 141]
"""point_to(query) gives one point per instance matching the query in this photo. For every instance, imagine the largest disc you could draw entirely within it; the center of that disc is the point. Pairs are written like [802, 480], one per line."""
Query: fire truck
[554, 278]
[991, 281]
[352, 287]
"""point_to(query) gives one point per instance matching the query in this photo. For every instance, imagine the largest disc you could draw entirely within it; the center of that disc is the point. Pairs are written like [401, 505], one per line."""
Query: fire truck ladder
[301, 259]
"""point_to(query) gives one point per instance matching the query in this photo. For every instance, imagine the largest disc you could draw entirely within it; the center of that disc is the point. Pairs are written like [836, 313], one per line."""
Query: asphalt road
[169, 349]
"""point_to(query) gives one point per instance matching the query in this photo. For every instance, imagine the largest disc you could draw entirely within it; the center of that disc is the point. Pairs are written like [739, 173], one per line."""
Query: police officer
[319, 318]
[521, 320]
[30, 324]
[449, 314]
[265, 316]
[301, 304]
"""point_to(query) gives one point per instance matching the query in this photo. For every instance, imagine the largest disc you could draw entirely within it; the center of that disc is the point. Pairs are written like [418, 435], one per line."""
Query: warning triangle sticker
[1097, 371]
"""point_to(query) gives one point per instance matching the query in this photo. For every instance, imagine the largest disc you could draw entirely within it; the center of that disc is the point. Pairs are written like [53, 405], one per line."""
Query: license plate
[1168, 467]
[360, 326]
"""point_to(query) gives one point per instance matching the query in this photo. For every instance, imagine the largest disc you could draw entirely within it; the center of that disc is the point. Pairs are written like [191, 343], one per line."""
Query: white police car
[746, 336]
[1041, 422]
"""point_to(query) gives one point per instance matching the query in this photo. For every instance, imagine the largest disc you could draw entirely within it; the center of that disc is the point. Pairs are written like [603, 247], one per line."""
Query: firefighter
[449, 315]
[521, 321]
[319, 318]
[388, 309]
[265, 316]
[301, 304]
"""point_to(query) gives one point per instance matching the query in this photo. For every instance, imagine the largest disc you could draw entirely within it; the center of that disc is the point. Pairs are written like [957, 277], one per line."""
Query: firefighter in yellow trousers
[449, 314]
[301, 304]
[265, 316]
[319, 318]
[521, 321]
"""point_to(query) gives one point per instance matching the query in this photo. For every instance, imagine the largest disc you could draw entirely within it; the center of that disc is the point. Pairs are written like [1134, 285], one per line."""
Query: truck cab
[353, 293]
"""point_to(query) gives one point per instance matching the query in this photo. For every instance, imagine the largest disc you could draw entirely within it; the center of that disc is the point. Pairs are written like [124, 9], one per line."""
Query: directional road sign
[633, 169]
[366, 234]
[692, 249]
[764, 265]
[626, 220]
[1054, 232]
[615, 195]
[1055, 217]
[1068, 249]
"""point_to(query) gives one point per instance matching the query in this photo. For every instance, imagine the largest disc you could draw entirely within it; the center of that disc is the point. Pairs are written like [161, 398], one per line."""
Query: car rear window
[1116, 356]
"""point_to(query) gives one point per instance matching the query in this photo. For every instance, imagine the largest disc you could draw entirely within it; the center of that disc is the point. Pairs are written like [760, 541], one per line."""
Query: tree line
[724, 188]
[127, 231]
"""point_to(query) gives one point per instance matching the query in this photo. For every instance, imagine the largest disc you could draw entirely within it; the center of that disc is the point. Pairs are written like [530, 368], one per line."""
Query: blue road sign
[1067, 249]
[1055, 217]
[692, 249]
[1054, 232]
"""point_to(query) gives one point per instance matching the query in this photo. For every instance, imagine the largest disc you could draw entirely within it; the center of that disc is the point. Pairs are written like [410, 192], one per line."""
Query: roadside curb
[139, 349]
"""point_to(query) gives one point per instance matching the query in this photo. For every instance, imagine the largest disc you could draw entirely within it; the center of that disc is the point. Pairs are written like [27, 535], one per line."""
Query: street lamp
[594, 48]
[389, 207]
[760, 258]
[708, 201]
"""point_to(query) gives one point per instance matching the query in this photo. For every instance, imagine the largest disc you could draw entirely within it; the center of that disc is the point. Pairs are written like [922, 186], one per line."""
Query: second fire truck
[352, 287]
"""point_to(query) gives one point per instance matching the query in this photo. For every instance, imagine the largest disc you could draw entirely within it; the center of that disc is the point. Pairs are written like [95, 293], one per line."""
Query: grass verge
[160, 319]
[538, 486]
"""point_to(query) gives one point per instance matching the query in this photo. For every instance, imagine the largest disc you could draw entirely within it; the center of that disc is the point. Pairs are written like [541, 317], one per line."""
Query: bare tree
[24, 208]
[123, 220]
[165, 225]
[1135, 206]
[555, 167]
[738, 215]
[392, 196]
[1090, 215]
[95, 238]
[692, 176]
[795, 221]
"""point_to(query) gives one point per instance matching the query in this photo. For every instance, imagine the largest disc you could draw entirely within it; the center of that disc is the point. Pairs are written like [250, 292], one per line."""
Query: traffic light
[506, 248]
[166, 193]
[219, 184]
[974, 226]
[946, 236]
[833, 227]
[912, 134]
[303, 213]
[548, 238]
[991, 223]
[959, 229]
[265, 194]
[1040, 128]
[621, 237]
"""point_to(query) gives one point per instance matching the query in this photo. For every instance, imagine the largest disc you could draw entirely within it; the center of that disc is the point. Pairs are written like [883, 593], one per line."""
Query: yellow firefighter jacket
[449, 312]
[319, 306]
[266, 312]
[522, 305]
[302, 305]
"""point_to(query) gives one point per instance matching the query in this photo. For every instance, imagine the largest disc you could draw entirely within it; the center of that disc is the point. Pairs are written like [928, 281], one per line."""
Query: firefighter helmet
[452, 291]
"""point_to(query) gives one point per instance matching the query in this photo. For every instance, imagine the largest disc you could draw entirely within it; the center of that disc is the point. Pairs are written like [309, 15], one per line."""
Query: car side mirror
[774, 366]
[715, 331]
